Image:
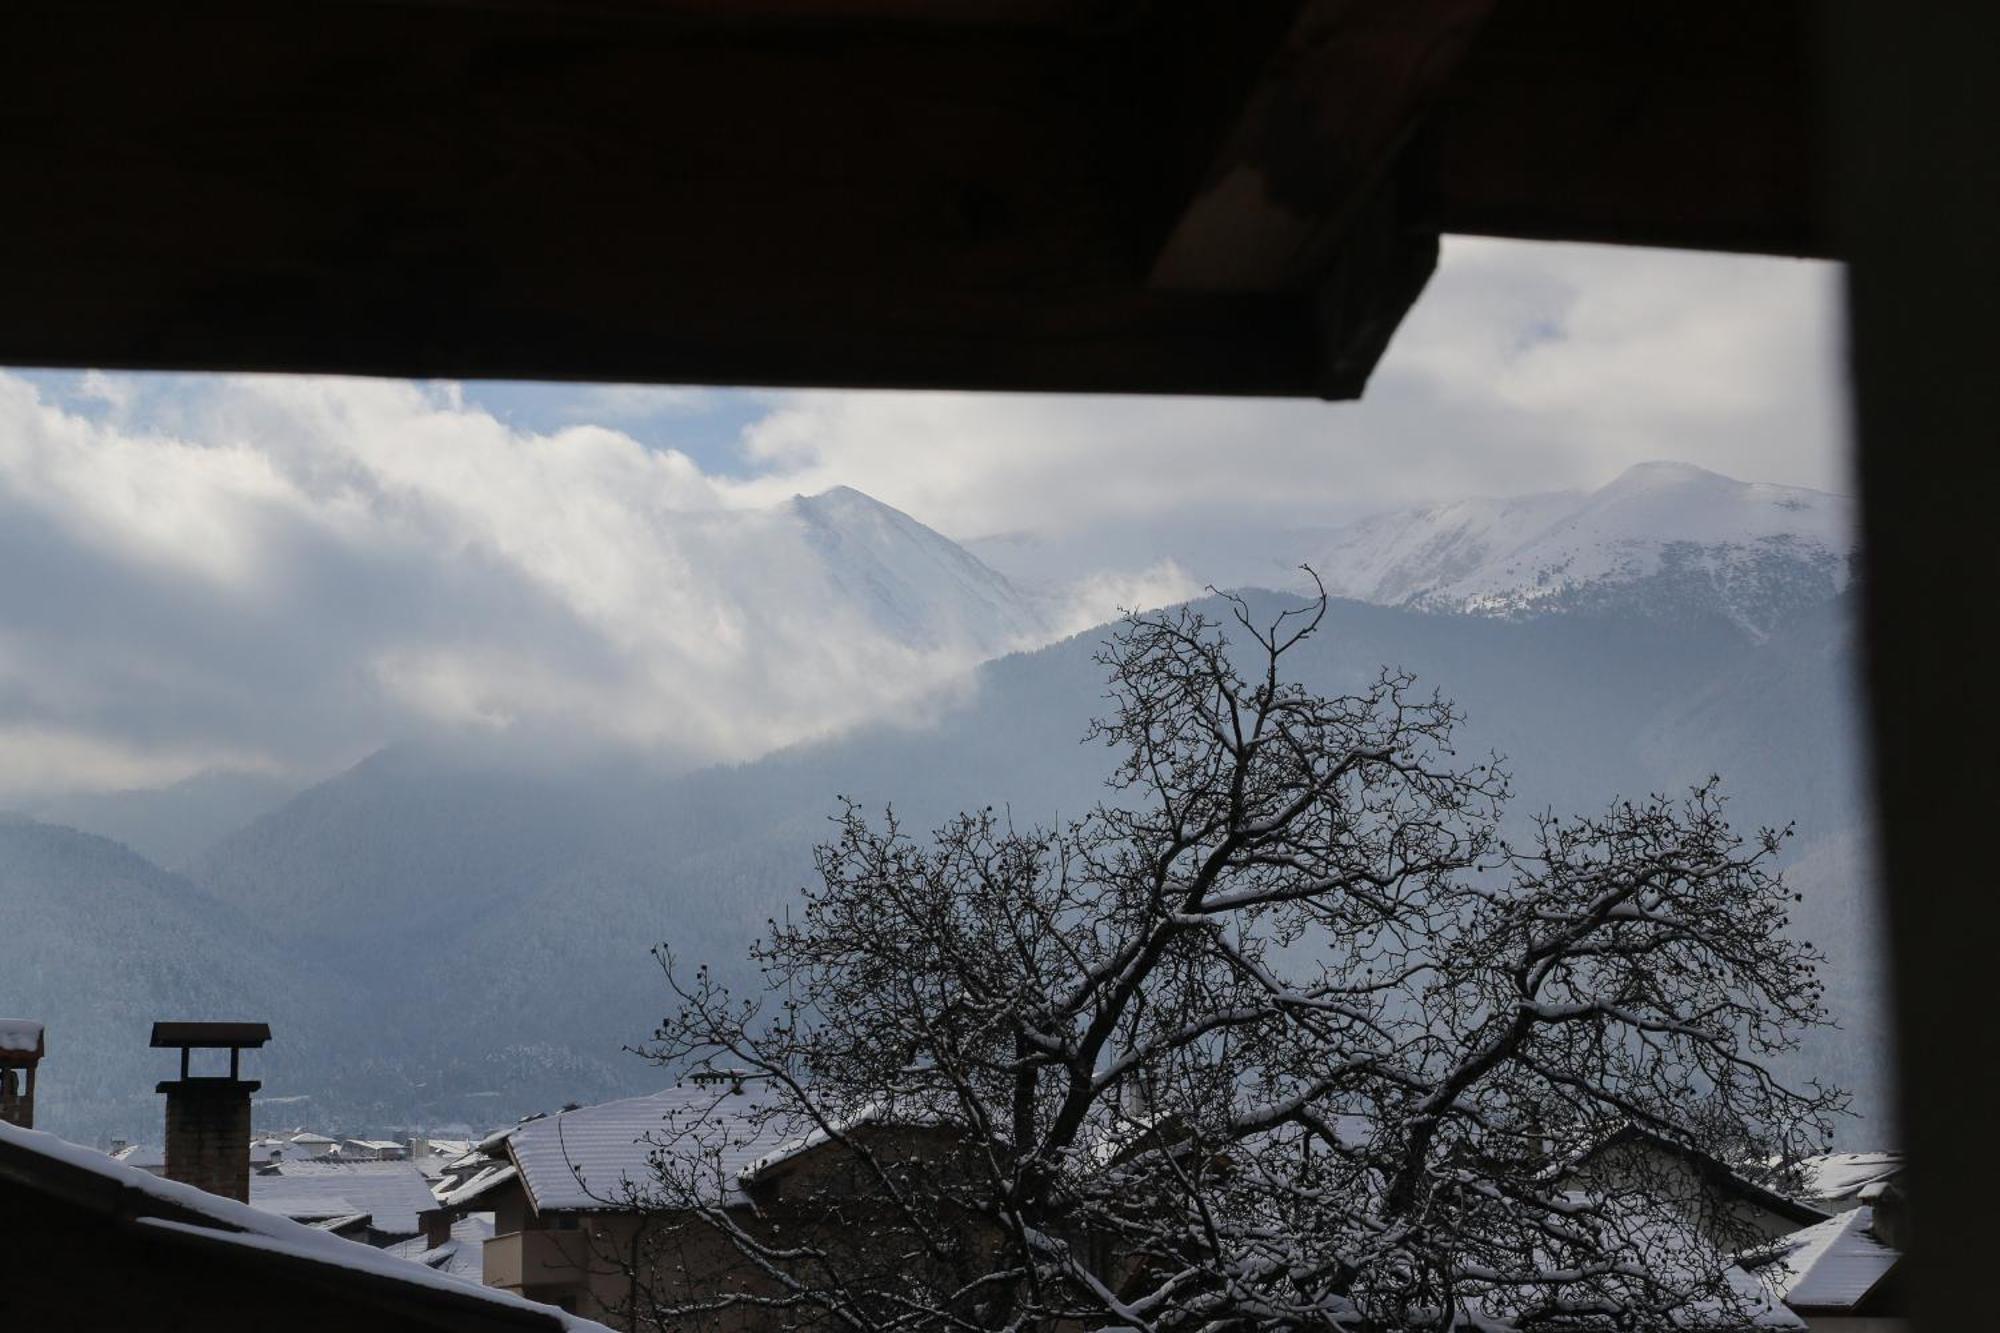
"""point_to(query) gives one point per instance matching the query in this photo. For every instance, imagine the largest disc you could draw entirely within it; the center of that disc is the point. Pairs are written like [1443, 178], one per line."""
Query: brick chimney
[21, 1049]
[208, 1116]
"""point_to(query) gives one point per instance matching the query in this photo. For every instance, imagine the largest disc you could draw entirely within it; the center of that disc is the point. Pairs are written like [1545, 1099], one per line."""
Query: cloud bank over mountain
[297, 571]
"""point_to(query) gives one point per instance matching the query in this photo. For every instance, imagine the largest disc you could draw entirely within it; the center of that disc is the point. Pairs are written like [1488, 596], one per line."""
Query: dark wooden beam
[776, 194]
[1646, 122]
[1208, 196]
[1917, 175]
[1317, 136]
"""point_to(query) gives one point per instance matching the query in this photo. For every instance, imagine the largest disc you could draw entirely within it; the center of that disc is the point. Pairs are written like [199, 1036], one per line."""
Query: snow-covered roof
[393, 1193]
[872, 1114]
[307, 1136]
[376, 1145]
[341, 1223]
[1839, 1177]
[463, 1255]
[226, 1222]
[586, 1159]
[20, 1036]
[145, 1156]
[492, 1176]
[1832, 1265]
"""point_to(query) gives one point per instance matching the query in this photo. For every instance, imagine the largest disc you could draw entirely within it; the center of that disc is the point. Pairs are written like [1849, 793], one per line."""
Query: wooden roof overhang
[1208, 196]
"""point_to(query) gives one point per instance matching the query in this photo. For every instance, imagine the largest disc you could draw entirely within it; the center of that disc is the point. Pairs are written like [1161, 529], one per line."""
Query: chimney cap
[21, 1041]
[211, 1036]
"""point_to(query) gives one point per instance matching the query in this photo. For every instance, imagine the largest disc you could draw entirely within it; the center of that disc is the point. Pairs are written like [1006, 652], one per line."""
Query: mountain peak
[1662, 538]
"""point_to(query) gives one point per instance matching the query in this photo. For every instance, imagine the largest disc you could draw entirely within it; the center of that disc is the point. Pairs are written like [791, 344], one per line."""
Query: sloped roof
[587, 1159]
[177, 1212]
[1840, 1176]
[463, 1255]
[393, 1193]
[145, 1156]
[905, 1113]
[1833, 1265]
[491, 1176]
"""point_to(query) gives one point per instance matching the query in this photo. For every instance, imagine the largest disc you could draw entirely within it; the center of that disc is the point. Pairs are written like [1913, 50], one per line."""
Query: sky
[281, 574]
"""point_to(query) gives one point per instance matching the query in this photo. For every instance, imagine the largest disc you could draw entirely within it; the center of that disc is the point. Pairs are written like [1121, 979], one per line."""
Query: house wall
[1725, 1221]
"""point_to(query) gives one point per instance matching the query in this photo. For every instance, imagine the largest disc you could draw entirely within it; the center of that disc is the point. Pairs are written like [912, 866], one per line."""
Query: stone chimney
[208, 1116]
[21, 1049]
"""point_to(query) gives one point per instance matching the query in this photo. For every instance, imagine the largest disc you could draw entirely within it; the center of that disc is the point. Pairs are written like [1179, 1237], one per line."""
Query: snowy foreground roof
[589, 1159]
[391, 1193]
[130, 1197]
[1834, 1265]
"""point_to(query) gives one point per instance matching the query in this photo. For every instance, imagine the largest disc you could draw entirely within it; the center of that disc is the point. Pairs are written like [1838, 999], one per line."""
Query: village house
[1824, 1257]
[1726, 1206]
[580, 1221]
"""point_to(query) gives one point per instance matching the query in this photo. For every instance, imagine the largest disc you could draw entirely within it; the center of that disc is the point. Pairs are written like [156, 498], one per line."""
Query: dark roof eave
[469, 1313]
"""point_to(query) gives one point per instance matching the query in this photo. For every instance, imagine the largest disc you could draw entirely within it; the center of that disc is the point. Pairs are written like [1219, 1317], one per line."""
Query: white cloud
[1105, 595]
[310, 568]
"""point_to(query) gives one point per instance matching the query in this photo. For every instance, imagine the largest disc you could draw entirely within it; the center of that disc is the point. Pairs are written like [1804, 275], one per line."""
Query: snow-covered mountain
[1662, 539]
[914, 585]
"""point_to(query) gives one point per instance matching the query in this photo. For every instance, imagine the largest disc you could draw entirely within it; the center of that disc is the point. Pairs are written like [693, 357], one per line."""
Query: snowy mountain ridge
[1662, 539]
[913, 584]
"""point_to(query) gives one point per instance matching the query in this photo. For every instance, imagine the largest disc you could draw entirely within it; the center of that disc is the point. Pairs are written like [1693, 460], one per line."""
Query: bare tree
[1284, 1034]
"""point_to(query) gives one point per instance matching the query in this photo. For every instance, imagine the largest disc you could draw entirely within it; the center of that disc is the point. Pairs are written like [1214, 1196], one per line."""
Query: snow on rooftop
[812, 1138]
[1844, 1176]
[20, 1036]
[240, 1224]
[145, 1156]
[494, 1175]
[1831, 1265]
[393, 1193]
[586, 1159]
[463, 1256]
